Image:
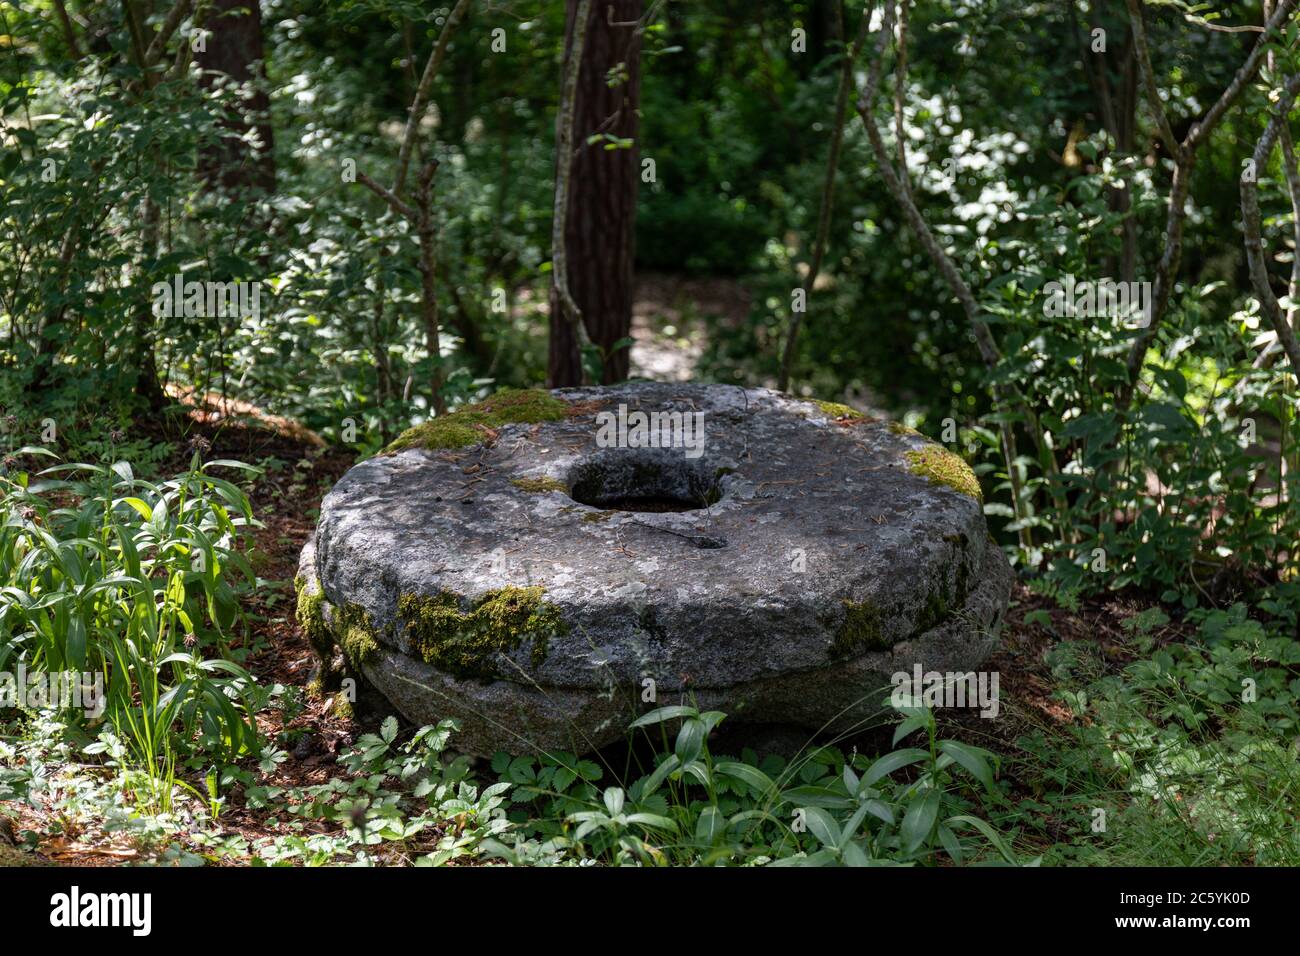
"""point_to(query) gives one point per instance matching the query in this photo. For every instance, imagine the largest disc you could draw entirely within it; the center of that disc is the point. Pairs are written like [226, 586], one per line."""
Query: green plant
[104, 573]
[398, 801]
[697, 808]
[1185, 756]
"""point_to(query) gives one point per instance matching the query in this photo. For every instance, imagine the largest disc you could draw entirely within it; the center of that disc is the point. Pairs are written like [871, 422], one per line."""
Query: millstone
[525, 569]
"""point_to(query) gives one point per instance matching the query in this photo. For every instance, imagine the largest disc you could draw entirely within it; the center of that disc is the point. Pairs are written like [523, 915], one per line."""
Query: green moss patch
[311, 619]
[356, 634]
[539, 486]
[471, 424]
[945, 468]
[837, 410]
[898, 428]
[341, 706]
[861, 630]
[465, 643]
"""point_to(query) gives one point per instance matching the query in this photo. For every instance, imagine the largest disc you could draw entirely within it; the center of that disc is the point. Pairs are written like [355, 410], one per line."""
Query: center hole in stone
[649, 480]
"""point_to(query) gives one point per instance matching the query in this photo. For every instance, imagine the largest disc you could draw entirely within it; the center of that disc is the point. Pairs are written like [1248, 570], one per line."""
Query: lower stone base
[841, 697]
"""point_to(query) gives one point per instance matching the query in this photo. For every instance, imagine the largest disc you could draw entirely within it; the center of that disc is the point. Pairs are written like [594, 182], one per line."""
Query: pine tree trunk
[599, 229]
[234, 47]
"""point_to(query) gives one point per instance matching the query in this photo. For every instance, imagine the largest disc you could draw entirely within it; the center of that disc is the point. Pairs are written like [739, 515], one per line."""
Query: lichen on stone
[941, 601]
[539, 486]
[862, 629]
[945, 468]
[465, 643]
[471, 424]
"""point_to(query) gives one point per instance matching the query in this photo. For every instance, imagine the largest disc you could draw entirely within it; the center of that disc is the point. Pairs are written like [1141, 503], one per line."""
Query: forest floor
[300, 471]
[671, 317]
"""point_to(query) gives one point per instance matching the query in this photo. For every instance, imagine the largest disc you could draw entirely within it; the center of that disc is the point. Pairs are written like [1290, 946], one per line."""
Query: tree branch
[1289, 166]
[69, 33]
[399, 207]
[1250, 220]
[1201, 131]
[135, 32]
[983, 337]
[900, 84]
[159, 44]
[1292, 170]
[1184, 155]
[428, 272]
[828, 190]
[183, 49]
[1149, 81]
[431, 69]
[564, 165]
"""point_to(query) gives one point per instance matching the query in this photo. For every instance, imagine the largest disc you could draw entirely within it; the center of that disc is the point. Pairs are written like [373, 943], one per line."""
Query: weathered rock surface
[822, 554]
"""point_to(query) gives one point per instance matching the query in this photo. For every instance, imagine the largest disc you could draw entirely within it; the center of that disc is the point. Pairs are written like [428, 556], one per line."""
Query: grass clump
[945, 468]
[466, 643]
[471, 424]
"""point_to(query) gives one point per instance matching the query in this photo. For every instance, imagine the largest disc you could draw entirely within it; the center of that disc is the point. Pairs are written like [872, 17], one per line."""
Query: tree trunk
[599, 228]
[234, 47]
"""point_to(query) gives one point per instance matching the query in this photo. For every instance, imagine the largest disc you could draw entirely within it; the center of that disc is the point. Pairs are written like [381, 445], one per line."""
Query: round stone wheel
[542, 576]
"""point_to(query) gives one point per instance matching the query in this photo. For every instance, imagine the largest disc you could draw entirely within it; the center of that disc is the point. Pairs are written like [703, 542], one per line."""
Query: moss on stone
[311, 618]
[940, 601]
[862, 629]
[340, 706]
[945, 468]
[961, 589]
[539, 486]
[356, 634]
[934, 611]
[469, 424]
[466, 643]
[898, 428]
[838, 410]
[592, 517]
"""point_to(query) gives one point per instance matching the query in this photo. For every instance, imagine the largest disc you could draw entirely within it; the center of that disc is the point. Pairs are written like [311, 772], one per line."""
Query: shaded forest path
[670, 319]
